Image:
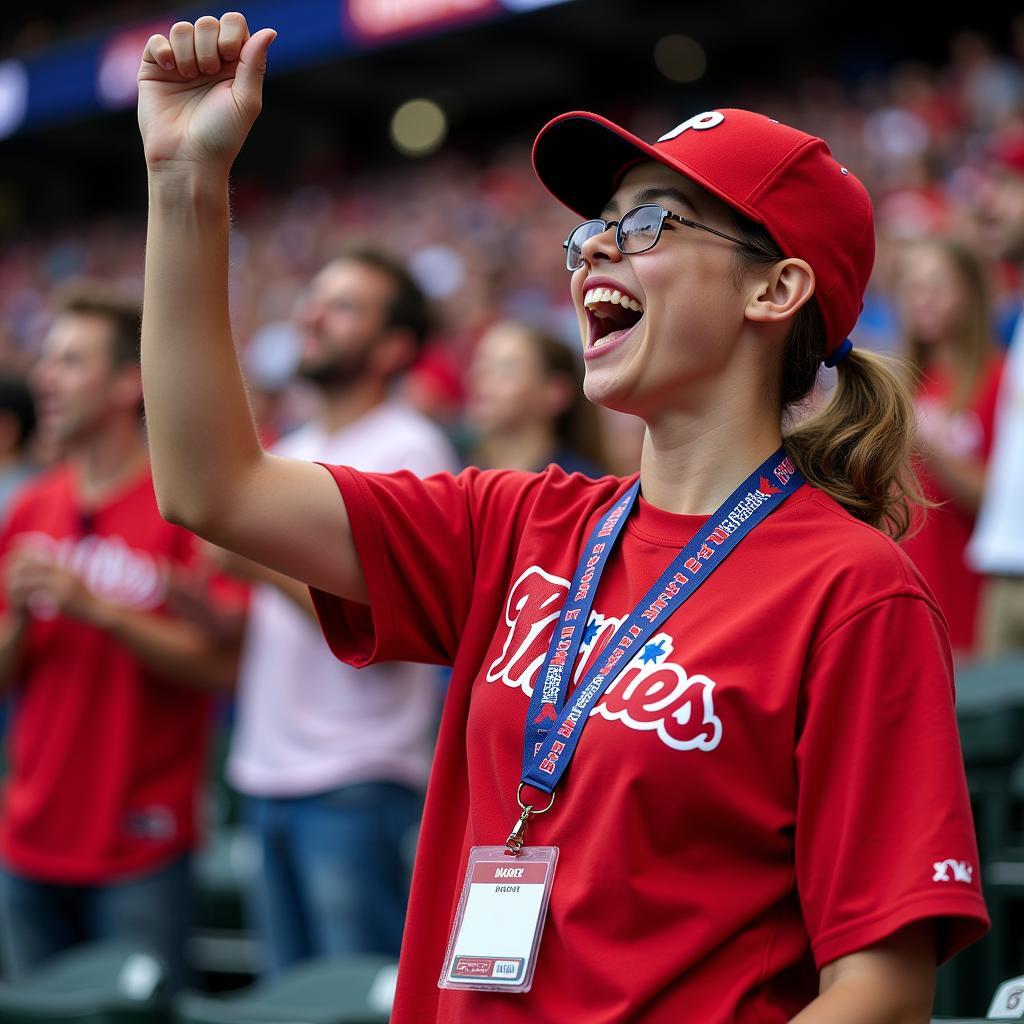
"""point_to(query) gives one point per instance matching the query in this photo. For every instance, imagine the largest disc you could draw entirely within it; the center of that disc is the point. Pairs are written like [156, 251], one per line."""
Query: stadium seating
[332, 990]
[222, 951]
[990, 711]
[98, 983]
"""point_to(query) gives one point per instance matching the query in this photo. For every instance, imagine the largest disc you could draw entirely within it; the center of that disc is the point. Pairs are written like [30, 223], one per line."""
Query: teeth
[614, 296]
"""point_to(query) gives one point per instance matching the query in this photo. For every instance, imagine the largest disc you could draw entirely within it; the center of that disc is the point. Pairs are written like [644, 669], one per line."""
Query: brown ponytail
[857, 448]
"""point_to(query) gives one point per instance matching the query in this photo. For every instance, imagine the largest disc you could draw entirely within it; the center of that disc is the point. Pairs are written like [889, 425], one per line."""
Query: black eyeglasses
[635, 232]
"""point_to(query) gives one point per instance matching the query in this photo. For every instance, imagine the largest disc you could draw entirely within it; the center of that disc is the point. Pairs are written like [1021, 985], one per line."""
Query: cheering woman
[706, 711]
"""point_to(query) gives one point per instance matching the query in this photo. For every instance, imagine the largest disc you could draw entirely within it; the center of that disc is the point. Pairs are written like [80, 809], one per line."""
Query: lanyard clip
[514, 843]
[515, 840]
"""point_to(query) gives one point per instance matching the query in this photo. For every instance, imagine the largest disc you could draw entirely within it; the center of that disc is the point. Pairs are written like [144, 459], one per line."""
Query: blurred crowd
[484, 238]
[496, 378]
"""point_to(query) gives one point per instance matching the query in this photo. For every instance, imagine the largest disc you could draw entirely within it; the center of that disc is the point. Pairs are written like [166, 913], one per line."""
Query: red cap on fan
[785, 179]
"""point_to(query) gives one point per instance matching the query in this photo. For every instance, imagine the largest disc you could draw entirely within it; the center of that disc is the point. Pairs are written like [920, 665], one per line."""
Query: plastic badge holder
[500, 919]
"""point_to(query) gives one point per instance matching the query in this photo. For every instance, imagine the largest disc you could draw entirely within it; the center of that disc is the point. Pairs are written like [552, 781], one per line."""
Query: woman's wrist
[173, 183]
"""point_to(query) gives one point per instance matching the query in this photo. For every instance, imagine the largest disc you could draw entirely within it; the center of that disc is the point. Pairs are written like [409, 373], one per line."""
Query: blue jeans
[41, 919]
[333, 878]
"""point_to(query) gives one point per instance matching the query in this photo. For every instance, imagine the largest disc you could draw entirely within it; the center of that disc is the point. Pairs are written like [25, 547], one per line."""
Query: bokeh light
[680, 58]
[418, 127]
[13, 96]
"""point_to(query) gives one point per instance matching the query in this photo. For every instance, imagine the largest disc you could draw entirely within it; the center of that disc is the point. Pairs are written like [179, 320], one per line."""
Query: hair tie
[840, 353]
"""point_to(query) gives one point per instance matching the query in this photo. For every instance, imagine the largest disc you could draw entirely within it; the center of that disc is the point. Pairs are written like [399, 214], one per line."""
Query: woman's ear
[779, 291]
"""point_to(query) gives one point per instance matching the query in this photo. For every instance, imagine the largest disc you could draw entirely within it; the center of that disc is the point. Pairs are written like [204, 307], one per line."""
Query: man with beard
[333, 760]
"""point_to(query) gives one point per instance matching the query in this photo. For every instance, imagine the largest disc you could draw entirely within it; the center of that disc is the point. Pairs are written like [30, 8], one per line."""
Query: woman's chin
[609, 391]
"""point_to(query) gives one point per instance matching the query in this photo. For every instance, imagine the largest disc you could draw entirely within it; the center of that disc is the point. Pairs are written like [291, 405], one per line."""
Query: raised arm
[200, 90]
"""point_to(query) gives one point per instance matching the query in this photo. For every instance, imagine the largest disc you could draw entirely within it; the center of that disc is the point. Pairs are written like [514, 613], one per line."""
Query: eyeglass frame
[665, 215]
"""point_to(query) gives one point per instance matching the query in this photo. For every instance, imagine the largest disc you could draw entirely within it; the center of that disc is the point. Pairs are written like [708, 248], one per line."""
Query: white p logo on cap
[699, 122]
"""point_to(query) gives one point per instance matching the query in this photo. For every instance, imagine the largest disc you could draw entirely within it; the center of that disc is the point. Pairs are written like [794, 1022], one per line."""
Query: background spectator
[997, 547]
[333, 761]
[525, 406]
[948, 340]
[111, 712]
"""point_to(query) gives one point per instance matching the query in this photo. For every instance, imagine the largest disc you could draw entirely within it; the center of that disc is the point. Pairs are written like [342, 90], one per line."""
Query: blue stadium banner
[84, 76]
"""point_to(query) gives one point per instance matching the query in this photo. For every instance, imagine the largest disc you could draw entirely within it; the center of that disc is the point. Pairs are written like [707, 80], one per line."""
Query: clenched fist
[200, 90]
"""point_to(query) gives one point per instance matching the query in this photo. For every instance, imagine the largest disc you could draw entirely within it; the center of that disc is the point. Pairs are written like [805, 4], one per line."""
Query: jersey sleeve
[417, 541]
[884, 832]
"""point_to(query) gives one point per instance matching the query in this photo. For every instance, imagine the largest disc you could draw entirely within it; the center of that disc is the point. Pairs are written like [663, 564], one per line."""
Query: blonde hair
[857, 448]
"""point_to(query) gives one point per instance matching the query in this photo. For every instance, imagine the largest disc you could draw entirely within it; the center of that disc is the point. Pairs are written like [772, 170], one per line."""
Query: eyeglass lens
[636, 232]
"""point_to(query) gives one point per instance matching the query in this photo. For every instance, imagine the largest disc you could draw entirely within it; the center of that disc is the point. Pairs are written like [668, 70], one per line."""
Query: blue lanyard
[553, 725]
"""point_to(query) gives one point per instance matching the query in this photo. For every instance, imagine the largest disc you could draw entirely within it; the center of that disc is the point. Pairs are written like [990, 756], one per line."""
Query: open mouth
[610, 313]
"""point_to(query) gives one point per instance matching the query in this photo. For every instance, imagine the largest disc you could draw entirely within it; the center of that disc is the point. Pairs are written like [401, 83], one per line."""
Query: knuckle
[180, 28]
[207, 21]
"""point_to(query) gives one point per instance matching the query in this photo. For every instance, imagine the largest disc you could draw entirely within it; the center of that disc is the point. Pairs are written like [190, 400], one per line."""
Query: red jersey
[939, 545]
[773, 782]
[105, 756]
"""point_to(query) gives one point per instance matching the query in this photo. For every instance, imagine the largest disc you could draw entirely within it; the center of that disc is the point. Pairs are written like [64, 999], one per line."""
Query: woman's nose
[601, 247]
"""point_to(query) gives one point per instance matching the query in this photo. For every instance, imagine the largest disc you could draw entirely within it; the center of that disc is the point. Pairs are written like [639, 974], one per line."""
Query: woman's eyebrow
[650, 195]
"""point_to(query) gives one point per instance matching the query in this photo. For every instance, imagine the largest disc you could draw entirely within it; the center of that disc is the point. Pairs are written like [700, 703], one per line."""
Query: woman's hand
[200, 90]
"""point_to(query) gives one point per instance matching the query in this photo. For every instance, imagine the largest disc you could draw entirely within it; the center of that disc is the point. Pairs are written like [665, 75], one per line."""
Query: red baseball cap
[785, 179]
